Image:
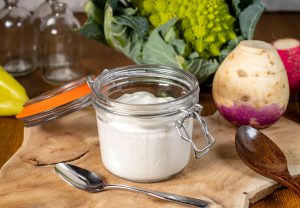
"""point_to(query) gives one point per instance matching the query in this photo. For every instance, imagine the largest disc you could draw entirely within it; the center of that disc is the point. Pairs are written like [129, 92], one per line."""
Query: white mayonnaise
[142, 149]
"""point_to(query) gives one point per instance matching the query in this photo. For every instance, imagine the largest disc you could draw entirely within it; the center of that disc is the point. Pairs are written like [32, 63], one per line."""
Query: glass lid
[56, 103]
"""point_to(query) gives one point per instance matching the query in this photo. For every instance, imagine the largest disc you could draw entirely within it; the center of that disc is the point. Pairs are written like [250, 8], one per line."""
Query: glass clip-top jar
[140, 141]
[59, 46]
[18, 54]
[147, 142]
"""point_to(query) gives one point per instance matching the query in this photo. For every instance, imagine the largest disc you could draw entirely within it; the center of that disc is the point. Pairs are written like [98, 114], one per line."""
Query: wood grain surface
[97, 57]
[28, 179]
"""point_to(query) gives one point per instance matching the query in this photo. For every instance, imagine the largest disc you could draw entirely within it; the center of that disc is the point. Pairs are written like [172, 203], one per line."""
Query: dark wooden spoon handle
[292, 184]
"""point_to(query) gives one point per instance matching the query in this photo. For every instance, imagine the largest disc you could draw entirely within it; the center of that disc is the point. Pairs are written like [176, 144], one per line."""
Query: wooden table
[98, 57]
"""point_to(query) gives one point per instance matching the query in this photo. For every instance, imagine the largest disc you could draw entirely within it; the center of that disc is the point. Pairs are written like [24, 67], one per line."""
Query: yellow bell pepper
[12, 95]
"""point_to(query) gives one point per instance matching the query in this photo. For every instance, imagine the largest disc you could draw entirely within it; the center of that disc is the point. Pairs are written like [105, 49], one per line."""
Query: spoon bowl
[90, 181]
[79, 177]
[263, 156]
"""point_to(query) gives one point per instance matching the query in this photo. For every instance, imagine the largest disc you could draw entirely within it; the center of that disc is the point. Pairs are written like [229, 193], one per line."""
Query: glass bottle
[60, 48]
[40, 13]
[43, 10]
[17, 47]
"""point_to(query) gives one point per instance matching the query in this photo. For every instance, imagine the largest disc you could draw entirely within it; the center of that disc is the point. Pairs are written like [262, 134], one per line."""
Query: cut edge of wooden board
[26, 137]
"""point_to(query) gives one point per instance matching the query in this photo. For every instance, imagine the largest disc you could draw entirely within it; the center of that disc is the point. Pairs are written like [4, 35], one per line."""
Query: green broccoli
[205, 25]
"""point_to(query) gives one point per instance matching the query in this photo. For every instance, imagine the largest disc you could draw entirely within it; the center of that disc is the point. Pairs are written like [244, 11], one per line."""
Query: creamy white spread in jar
[142, 149]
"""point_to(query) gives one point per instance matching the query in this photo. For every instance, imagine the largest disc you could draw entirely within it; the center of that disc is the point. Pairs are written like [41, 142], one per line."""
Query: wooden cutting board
[29, 180]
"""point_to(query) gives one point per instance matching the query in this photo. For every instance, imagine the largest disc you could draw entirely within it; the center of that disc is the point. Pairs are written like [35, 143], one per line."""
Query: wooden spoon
[263, 156]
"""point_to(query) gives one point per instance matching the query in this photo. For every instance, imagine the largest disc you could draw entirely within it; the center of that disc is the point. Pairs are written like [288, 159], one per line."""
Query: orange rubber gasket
[55, 101]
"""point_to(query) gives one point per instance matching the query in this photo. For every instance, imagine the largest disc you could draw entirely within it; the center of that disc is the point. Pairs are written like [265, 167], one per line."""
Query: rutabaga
[251, 85]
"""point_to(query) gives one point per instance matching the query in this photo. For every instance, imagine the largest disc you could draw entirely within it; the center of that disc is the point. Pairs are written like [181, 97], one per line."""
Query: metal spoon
[263, 156]
[89, 181]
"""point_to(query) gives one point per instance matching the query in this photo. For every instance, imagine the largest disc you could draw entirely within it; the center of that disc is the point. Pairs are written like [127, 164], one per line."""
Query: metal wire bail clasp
[195, 112]
[90, 81]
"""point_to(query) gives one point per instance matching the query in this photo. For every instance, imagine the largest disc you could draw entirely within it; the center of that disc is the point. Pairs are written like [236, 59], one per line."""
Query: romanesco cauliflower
[195, 35]
[205, 25]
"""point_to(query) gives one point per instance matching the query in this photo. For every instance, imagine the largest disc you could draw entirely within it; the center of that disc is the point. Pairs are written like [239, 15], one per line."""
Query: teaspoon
[263, 156]
[90, 181]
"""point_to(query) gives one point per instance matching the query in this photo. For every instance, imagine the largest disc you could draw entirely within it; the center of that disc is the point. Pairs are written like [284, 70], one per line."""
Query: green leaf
[138, 24]
[240, 5]
[108, 19]
[100, 4]
[133, 48]
[162, 46]
[129, 11]
[157, 51]
[115, 34]
[249, 18]
[165, 28]
[112, 3]
[193, 55]
[92, 30]
[179, 46]
[236, 7]
[125, 33]
[93, 12]
[245, 3]
[202, 69]
[170, 35]
[122, 37]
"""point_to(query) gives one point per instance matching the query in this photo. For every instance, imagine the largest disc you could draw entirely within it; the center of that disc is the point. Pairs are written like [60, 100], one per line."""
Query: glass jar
[59, 45]
[40, 13]
[138, 142]
[147, 142]
[17, 51]
[43, 10]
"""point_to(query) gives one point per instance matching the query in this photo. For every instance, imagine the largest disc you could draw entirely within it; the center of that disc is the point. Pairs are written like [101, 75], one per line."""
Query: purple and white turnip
[251, 85]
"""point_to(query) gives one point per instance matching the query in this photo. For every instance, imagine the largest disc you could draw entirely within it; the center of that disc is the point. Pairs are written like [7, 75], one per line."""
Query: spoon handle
[292, 184]
[166, 196]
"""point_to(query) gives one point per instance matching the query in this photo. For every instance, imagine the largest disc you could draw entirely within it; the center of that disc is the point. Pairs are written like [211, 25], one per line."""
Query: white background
[76, 5]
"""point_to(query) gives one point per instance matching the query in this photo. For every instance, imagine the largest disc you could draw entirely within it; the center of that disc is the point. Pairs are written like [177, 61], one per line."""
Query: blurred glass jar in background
[17, 47]
[60, 47]
[44, 10]
[41, 12]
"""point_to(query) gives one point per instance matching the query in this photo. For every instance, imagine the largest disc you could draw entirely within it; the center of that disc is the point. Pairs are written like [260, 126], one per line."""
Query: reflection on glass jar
[17, 51]
[60, 48]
